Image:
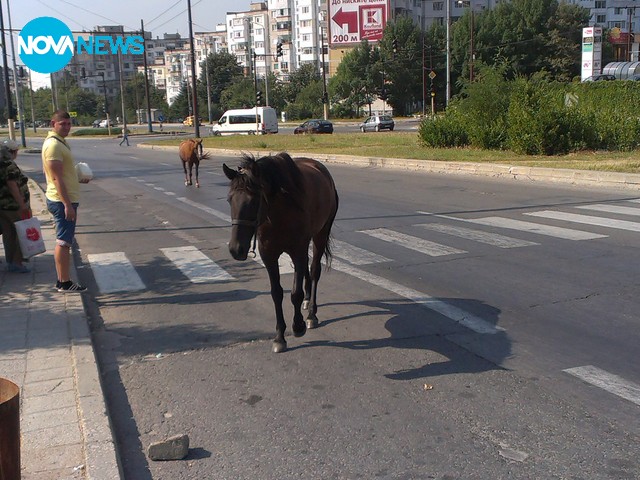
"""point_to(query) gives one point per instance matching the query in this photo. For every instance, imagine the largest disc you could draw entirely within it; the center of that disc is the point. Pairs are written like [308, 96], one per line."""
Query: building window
[600, 4]
[601, 19]
[438, 6]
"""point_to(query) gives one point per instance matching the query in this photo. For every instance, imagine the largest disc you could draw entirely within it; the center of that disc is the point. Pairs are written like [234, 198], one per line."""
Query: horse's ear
[230, 173]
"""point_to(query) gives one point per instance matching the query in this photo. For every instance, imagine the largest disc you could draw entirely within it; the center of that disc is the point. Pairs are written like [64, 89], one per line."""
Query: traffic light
[395, 45]
[21, 71]
[279, 50]
[384, 93]
[433, 90]
[258, 97]
[83, 73]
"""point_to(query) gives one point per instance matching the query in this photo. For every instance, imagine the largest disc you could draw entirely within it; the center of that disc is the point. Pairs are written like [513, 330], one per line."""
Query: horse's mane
[278, 174]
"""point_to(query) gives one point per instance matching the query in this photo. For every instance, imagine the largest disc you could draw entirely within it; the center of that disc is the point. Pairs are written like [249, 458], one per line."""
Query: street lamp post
[104, 90]
[206, 72]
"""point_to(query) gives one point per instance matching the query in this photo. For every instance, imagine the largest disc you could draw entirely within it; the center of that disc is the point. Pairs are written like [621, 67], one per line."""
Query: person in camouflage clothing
[14, 204]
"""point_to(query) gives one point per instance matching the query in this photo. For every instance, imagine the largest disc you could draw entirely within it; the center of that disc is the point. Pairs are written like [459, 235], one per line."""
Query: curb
[495, 170]
[101, 457]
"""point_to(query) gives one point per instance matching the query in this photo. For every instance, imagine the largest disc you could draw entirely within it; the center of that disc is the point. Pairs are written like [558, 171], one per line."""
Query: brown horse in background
[191, 153]
[286, 203]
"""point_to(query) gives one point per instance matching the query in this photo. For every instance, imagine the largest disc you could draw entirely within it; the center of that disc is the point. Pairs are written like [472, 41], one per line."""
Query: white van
[245, 122]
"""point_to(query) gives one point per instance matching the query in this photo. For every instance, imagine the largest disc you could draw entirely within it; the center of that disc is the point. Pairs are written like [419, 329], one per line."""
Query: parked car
[376, 123]
[96, 123]
[315, 126]
[105, 123]
[600, 77]
[190, 121]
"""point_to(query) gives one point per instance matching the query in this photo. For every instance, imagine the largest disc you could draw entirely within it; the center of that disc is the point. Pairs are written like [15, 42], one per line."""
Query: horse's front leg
[301, 265]
[186, 175]
[279, 343]
[197, 182]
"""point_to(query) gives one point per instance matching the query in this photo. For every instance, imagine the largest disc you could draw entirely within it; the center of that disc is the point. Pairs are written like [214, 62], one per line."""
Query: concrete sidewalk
[46, 349]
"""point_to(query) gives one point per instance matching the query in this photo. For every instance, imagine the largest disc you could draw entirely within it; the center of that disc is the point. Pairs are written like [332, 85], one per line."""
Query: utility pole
[192, 52]
[325, 96]
[122, 106]
[15, 80]
[448, 20]
[7, 88]
[146, 77]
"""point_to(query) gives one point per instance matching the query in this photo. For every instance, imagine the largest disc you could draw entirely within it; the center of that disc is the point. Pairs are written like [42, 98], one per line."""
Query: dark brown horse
[190, 152]
[286, 204]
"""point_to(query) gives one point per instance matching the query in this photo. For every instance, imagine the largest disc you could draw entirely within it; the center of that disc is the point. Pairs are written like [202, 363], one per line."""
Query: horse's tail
[328, 254]
[205, 155]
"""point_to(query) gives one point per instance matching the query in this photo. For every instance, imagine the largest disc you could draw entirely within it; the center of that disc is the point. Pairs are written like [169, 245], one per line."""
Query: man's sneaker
[71, 287]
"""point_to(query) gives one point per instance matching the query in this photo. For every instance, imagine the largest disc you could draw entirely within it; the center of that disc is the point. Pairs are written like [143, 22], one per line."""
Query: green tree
[241, 94]
[402, 69]
[357, 77]
[224, 70]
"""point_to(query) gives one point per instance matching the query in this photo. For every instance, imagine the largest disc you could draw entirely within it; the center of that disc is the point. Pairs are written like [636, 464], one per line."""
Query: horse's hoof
[186, 183]
[312, 322]
[197, 185]
[305, 305]
[279, 347]
[299, 329]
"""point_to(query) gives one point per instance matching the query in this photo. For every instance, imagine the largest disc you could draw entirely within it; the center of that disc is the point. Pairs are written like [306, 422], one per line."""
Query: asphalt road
[455, 342]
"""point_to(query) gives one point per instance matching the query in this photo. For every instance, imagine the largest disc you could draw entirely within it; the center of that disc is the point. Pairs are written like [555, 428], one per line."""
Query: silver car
[376, 123]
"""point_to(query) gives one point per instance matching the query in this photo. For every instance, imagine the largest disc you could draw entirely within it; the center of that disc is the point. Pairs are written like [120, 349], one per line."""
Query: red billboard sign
[354, 20]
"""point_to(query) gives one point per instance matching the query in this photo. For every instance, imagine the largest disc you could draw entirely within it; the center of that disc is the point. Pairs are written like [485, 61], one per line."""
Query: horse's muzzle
[238, 251]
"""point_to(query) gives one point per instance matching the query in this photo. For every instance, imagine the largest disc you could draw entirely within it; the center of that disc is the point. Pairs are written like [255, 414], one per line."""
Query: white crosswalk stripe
[356, 255]
[284, 262]
[619, 209]
[113, 272]
[414, 243]
[494, 239]
[588, 219]
[538, 228]
[607, 381]
[195, 265]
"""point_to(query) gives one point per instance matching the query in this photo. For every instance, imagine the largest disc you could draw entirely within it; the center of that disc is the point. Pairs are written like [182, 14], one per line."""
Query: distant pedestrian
[125, 136]
[63, 196]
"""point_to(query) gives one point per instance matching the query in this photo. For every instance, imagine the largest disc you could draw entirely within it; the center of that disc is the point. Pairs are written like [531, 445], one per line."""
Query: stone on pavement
[173, 448]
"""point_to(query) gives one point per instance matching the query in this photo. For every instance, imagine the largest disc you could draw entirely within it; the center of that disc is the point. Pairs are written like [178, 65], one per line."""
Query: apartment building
[621, 18]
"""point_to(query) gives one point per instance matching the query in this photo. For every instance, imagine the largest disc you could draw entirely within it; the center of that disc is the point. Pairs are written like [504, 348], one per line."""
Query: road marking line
[612, 209]
[414, 243]
[456, 314]
[114, 272]
[212, 211]
[494, 239]
[195, 265]
[588, 219]
[540, 229]
[607, 381]
[284, 263]
[356, 255]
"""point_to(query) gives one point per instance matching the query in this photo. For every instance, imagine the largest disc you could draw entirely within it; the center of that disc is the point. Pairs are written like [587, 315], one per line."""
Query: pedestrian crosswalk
[114, 272]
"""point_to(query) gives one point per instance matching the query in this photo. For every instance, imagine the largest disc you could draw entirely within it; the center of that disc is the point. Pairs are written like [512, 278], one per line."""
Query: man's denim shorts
[65, 229]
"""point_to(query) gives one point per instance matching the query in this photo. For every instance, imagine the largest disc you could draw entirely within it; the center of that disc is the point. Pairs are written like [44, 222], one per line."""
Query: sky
[159, 16]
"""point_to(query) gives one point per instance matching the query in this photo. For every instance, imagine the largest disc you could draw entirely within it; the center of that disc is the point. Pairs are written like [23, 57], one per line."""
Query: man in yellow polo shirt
[63, 196]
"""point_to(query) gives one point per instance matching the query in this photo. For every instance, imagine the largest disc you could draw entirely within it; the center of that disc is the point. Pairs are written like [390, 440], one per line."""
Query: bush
[96, 131]
[443, 131]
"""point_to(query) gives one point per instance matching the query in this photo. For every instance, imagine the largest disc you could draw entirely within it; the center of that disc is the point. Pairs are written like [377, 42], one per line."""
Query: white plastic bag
[84, 172]
[30, 237]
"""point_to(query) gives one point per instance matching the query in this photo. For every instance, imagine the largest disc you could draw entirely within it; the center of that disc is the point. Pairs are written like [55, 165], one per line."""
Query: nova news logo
[46, 45]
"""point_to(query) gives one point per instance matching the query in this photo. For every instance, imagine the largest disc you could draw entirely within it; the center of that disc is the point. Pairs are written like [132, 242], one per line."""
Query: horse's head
[246, 201]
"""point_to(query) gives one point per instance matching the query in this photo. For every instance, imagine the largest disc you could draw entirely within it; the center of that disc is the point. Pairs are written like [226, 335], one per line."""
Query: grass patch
[407, 145]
